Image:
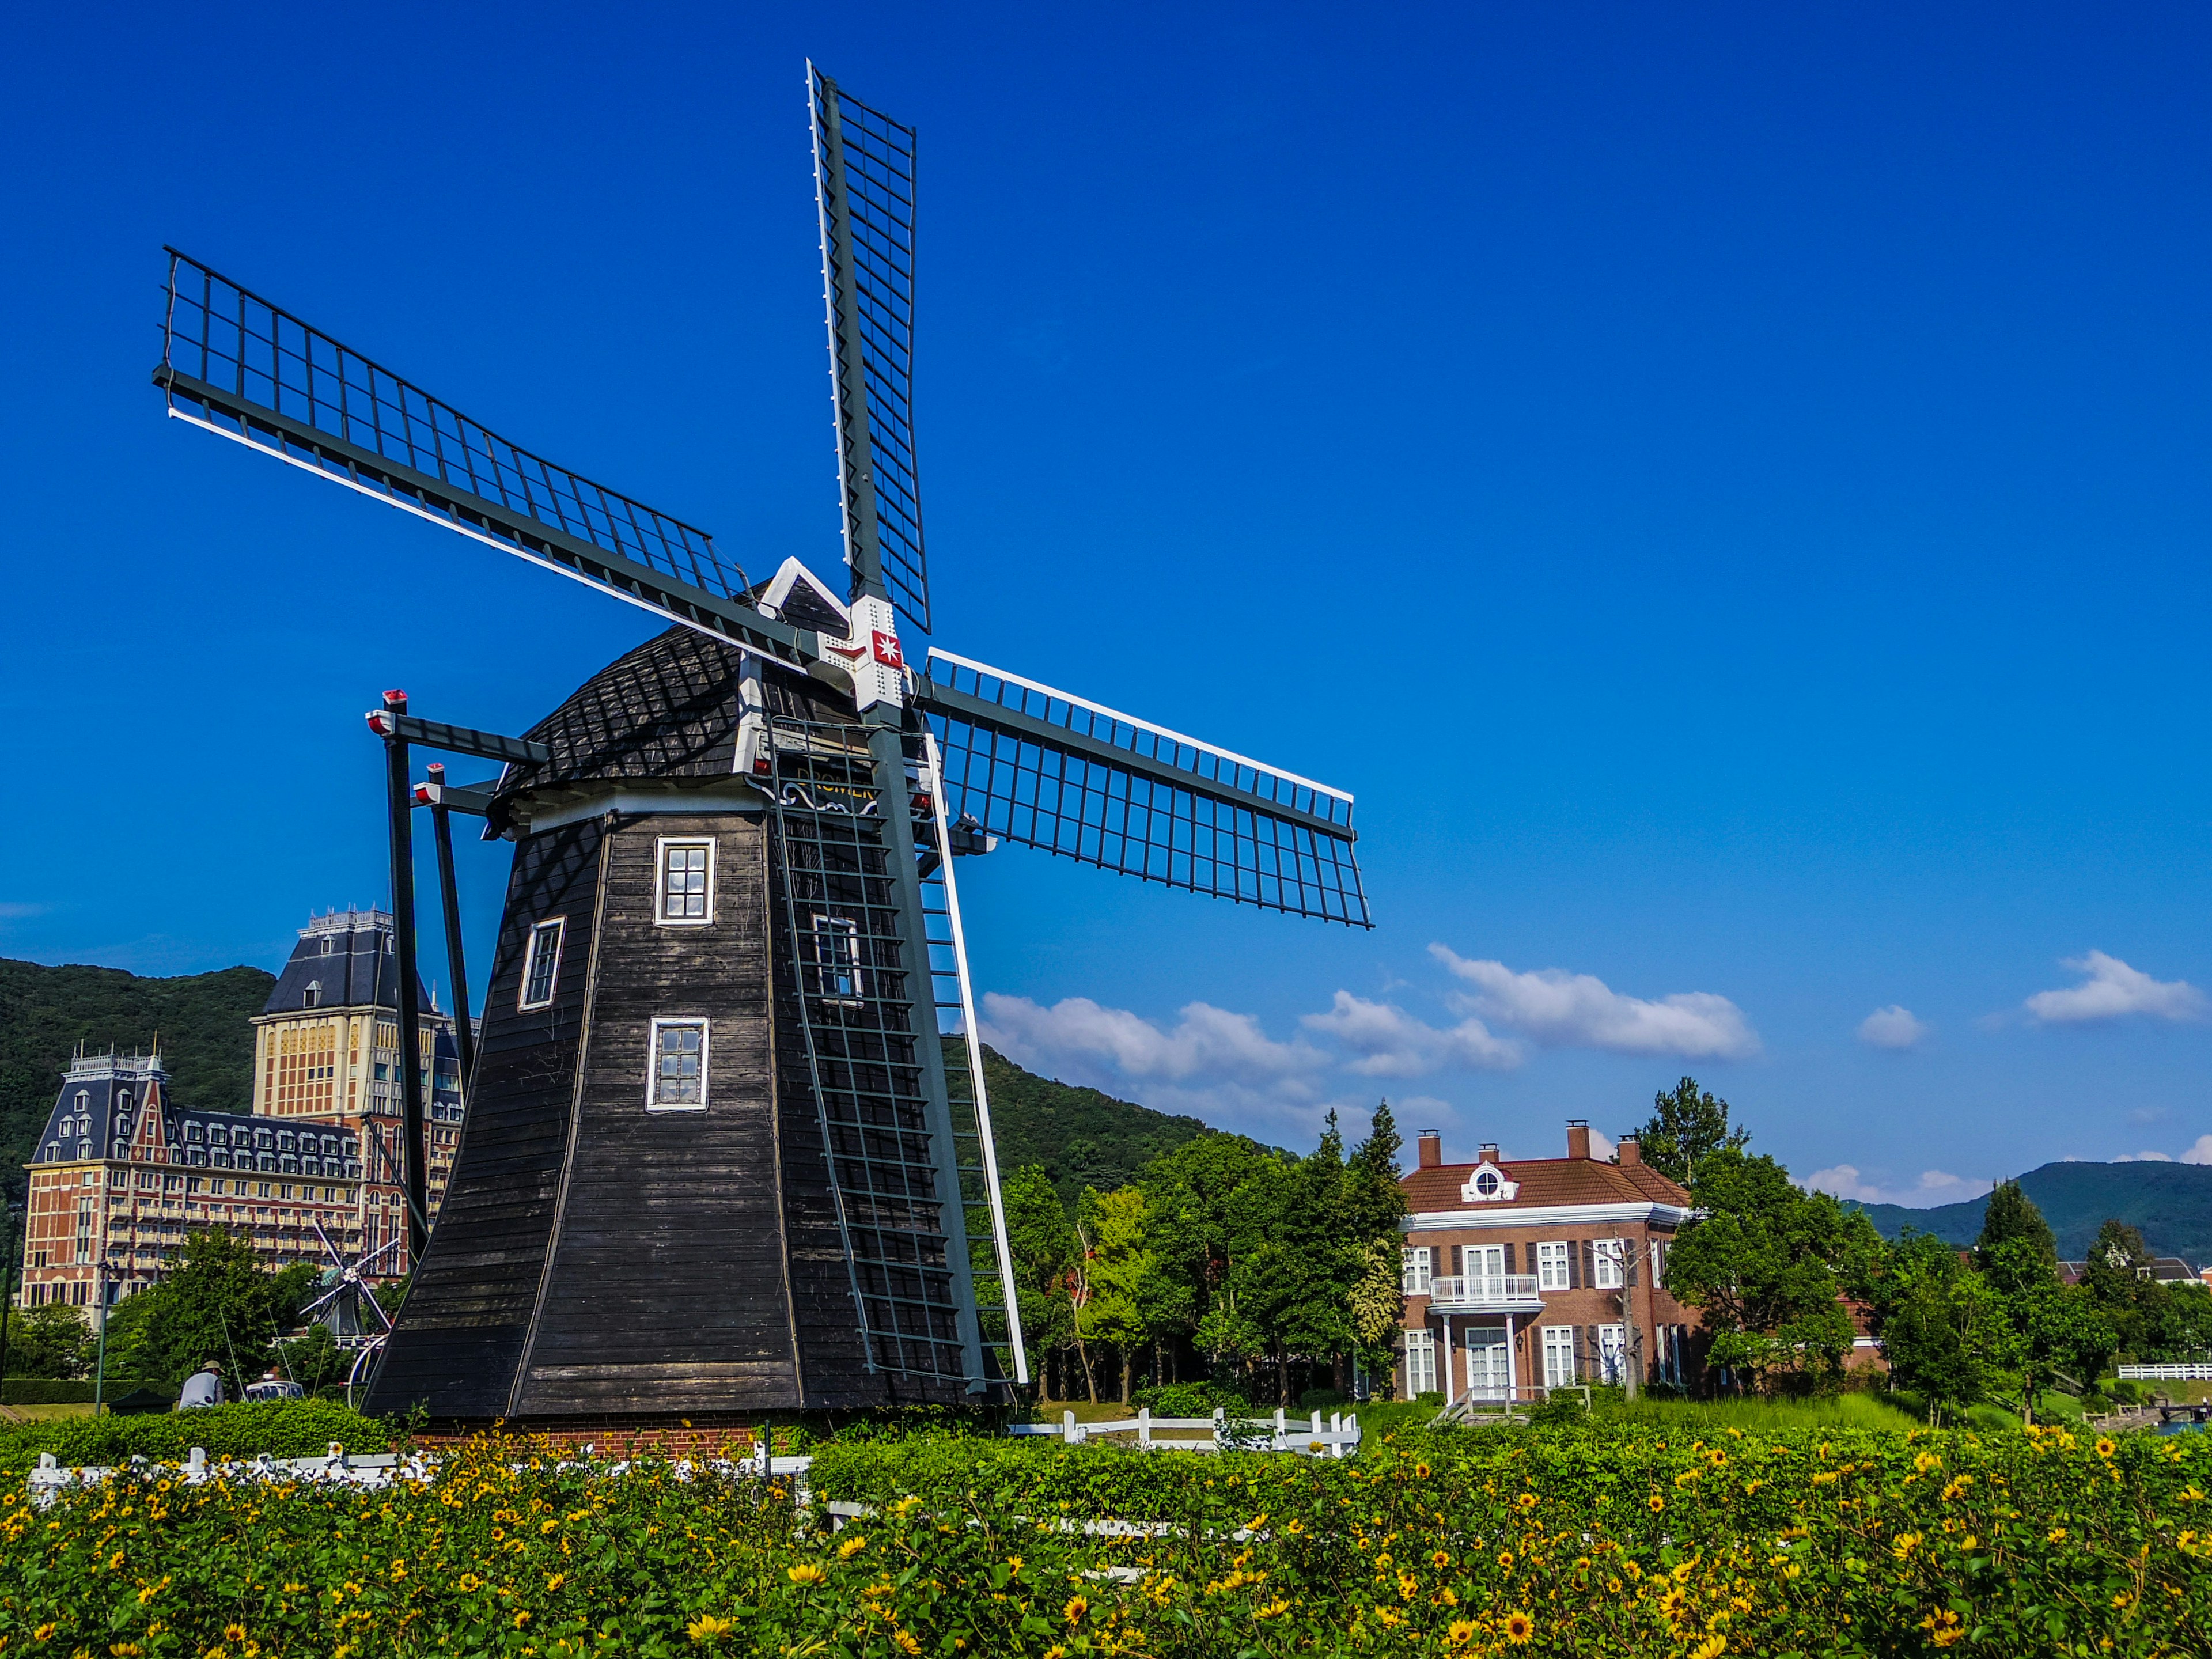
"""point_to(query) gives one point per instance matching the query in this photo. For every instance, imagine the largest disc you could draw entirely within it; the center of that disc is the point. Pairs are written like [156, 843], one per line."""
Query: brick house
[1540, 1272]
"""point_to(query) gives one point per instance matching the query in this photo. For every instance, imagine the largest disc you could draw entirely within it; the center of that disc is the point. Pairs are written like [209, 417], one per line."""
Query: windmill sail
[239, 365]
[864, 187]
[1056, 771]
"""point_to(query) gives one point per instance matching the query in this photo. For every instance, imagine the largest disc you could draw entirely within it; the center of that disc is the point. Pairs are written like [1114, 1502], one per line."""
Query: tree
[1765, 1266]
[1945, 1329]
[1131, 1304]
[52, 1339]
[1687, 1126]
[1043, 1246]
[219, 1306]
[2012, 1215]
[2117, 1277]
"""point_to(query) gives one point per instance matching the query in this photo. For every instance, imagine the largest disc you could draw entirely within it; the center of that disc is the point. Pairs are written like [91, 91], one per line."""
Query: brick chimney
[1489, 1154]
[1578, 1139]
[1630, 1152]
[1433, 1149]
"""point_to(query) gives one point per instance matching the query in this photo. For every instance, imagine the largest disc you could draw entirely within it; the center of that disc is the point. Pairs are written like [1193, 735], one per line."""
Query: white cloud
[2112, 990]
[10, 911]
[1579, 1011]
[1391, 1042]
[2199, 1153]
[1601, 1146]
[1893, 1027]
[2144, 1157]
[1935, 1187]
[1208, 1042]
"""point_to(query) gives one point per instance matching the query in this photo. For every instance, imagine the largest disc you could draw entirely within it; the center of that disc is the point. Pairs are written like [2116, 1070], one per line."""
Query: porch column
[1512, 1370]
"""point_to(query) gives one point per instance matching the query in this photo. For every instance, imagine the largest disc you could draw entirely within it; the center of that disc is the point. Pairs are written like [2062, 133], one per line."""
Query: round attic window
[1486, 1184]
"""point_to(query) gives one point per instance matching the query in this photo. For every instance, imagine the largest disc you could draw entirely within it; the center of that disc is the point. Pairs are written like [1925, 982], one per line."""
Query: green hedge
[53, 1391]
[281, 1428]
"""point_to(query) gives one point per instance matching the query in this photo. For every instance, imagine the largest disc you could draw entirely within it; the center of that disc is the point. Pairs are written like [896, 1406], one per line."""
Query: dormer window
[313, 996]
[326, 945]
[1488, 1185]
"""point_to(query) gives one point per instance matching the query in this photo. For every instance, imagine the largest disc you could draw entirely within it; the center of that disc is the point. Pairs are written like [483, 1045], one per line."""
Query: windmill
[343, 1294]
[728, 1145]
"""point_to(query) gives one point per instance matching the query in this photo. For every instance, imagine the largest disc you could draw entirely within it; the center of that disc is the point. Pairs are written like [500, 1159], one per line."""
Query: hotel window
[541, 962]
[1559, 1355]
[836, 970]
[686, 886]
[1607, 1263]
[1552, 1267]
[677, 1082]
[1420, 1361]
[1413, 1271]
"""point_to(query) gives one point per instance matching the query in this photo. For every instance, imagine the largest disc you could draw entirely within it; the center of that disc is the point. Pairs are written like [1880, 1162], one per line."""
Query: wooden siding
[666, 1289]
[469, 1309]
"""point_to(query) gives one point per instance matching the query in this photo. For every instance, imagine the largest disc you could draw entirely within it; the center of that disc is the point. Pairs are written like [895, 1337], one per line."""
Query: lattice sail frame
[1220, 823]
[864, 184]
[241, 366]
[856, 990]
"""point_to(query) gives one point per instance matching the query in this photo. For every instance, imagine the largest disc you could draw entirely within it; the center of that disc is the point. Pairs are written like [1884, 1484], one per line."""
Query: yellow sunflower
[1519, 1627]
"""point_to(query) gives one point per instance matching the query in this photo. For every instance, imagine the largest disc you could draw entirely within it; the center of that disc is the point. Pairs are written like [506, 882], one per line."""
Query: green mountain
[1080, 1136]
[2169, 1204]
[45, 1013]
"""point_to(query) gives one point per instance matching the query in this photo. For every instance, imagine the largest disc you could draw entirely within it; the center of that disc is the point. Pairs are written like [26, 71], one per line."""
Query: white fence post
[1282, 1430]
[1221, 1427]
[1069, 1431]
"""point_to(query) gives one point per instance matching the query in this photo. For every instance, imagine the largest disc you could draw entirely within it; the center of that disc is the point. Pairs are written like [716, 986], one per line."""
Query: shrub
[1321, 1400]
[281, 1428]
[1188, 1399]
[57, 1391]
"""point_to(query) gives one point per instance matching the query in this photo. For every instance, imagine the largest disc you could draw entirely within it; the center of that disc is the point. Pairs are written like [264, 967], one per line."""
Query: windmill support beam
[269, 430]
[463, 739]
[936, 696]
[449, 896]
[413, 1165]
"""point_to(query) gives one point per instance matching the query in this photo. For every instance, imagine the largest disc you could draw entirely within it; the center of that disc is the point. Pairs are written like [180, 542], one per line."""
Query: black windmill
[727, 1147]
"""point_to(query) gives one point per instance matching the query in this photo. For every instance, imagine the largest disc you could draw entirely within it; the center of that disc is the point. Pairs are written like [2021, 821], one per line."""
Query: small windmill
[728, 1145]
[344, 1293]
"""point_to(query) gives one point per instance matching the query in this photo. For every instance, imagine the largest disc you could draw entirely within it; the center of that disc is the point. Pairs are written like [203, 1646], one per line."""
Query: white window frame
[661, 848]
[1605, 1259]
[653, 1100]
[1420, 1363]
[1559, 1355]
[1552, 1272]
[558, 926]
[1482, 1261]
[1415, 1270]
[823, 925]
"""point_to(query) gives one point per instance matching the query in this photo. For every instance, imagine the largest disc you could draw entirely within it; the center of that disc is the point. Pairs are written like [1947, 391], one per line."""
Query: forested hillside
[2169, 1204]
[45, 1013]
[1078, 1137]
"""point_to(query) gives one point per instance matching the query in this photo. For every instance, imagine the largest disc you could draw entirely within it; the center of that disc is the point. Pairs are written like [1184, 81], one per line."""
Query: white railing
[2166, 1373]
[1484, 1291]
[1337, 1437]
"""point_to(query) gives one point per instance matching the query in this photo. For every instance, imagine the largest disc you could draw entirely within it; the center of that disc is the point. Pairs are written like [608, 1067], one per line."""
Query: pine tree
[1687, 1126]
[2012, 1215]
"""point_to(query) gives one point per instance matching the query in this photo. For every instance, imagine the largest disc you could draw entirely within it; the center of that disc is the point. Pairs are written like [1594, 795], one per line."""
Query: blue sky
[1727, 491]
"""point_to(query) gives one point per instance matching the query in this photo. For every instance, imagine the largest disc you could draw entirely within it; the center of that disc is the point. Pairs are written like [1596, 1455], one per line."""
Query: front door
[1488, 1363]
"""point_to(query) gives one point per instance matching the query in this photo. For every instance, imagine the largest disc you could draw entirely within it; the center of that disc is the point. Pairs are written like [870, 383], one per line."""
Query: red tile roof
[1543, 1182]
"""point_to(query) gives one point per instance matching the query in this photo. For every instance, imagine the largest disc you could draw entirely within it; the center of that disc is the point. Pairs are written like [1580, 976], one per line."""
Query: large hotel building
[124, 1170]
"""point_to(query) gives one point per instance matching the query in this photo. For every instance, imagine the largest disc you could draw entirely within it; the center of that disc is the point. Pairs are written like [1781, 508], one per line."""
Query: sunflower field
[1581, 1540]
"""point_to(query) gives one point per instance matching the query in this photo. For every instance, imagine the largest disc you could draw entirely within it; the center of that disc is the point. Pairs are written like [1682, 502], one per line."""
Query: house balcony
[1484, 1293]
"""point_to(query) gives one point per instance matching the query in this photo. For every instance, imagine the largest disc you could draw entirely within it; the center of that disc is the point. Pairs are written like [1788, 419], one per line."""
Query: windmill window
[686, 884]
[677, 1082]
[836, 968]
[541, 963]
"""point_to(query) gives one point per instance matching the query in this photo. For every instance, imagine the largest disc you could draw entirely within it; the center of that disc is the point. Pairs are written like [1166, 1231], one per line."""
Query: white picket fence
[1337, 1437]
[2166, 1373]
